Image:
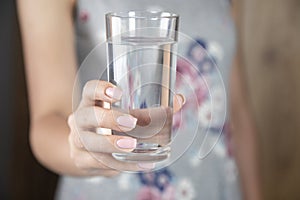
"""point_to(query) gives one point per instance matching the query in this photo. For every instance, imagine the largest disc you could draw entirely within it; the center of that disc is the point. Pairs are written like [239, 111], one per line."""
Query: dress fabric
[206, 169]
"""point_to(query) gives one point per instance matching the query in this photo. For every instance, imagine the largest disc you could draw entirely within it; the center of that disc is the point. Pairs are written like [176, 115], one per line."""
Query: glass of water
[141, 51]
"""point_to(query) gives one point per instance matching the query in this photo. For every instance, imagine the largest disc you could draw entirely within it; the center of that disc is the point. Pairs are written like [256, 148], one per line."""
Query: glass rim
[152, 14]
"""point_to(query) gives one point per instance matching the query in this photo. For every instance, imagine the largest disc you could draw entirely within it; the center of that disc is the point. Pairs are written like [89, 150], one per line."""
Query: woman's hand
[91, 152]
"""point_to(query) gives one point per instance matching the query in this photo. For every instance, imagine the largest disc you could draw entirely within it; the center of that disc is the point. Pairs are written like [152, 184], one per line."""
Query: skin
[59, 136]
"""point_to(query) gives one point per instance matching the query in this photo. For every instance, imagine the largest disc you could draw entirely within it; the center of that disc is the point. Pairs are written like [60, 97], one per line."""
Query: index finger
[98, 90]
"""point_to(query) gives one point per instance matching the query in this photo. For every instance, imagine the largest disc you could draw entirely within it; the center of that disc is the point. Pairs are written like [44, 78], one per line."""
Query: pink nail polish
[182, 99]
[114, 92]
[126, 143]
[127, 121]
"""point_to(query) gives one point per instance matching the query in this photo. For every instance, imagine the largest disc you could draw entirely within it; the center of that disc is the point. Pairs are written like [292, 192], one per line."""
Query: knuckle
[82, 116]
[112, 115]
[71, 120]
[108, 119]
[88, 87]
[89, 84]
[85, 89]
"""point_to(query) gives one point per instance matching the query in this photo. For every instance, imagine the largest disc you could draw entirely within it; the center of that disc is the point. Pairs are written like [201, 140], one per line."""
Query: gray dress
[203, 168]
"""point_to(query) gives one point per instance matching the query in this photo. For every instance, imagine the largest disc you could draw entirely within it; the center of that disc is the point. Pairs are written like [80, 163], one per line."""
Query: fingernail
[126, 143]
[127, 121]
[181, 99]
[114, 92]
[146, 165]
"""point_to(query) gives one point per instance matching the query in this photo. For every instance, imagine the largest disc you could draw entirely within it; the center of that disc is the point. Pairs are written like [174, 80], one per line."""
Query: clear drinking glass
[141, 50]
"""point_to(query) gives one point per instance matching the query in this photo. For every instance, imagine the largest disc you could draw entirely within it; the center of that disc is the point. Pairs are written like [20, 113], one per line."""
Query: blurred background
[269, 31]
[21, 177]
[270, 47]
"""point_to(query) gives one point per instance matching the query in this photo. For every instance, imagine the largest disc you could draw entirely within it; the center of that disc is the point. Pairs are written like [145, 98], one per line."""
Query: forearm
[50, 62]
[49, 143]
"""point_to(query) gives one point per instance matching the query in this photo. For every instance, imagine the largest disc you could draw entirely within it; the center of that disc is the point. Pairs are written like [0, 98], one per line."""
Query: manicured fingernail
[181, 99]
[126, 143]
[146, 165]
[114, 92]
[127, 121]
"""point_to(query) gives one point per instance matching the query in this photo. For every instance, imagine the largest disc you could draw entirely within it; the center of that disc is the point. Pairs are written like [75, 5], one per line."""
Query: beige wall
[270, 39]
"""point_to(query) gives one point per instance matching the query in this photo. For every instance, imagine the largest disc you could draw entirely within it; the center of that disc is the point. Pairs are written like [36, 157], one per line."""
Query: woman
[51, 62]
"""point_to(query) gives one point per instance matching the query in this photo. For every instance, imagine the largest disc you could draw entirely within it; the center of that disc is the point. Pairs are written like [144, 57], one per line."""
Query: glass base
[144, 152]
